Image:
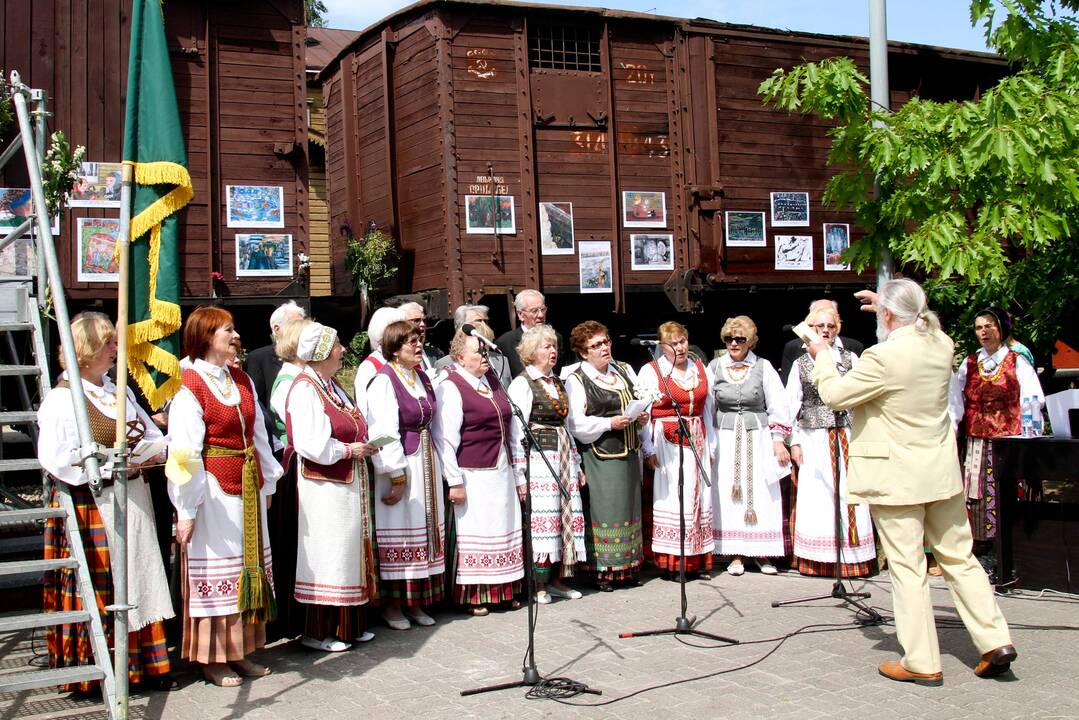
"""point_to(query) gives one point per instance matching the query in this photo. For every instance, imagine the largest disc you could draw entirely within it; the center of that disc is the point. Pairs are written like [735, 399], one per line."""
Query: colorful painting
[790, 209]
[97, 250]
[16, 206]
[652, 252]
[745, 229]
[480, 216]
[556, 228]
[836, 241]
[98, 185]
[595, 267]
[263, 255]
[18, 257]
[644, 209]
[794, 252]
[255, 206]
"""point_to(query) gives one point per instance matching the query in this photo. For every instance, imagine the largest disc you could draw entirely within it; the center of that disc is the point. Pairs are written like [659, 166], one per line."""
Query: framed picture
[481, 215]
[16, 205]
[19, 257]
[651, 252]
[259, 255]
[595, 266]
[98, 185]
[644, 209]
[745, 228]
[790, 209]
[794, 252]
[556, 228]
[836, 240]
[255, 206]
[97, 250]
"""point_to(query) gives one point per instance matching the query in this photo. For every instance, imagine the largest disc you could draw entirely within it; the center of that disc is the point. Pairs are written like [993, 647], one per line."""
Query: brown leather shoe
[894, 670]
[996, 662]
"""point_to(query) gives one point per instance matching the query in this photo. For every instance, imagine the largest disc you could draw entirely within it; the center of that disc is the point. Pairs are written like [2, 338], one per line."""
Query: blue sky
[932, 22]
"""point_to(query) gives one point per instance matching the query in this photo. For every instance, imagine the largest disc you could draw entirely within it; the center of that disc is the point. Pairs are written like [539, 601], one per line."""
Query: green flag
[154, 146]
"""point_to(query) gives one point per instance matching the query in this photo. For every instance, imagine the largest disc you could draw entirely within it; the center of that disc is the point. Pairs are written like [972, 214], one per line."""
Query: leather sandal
[249, 668]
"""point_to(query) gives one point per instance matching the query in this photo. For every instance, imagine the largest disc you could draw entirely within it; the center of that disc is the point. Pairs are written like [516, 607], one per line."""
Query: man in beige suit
[904, 464]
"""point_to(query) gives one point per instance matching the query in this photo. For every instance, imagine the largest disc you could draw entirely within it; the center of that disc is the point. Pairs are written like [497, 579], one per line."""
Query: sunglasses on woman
[735, 339]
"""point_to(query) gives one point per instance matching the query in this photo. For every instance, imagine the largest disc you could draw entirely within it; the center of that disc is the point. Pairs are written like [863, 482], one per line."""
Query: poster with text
[836, 240]
[644, 209]
[651, 252]
[556, 228]
[98, 185]
[745, 229]
[481, 215]
[595, 266]
[97, 250]
[790, 209]
[255, 206]
[794, 252]
[259, 255]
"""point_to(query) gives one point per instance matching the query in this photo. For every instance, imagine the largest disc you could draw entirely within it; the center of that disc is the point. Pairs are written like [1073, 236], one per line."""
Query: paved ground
[420, 673]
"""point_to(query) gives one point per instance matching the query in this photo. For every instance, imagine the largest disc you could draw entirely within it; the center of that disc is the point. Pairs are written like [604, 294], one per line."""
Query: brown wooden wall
[239, 72]
[438, 100]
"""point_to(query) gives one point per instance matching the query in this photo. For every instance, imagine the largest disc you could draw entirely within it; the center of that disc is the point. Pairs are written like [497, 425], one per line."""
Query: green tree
[316, 13]
[980, 197]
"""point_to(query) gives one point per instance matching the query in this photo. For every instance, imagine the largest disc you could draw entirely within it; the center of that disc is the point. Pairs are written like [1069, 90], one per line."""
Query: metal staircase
[20, 312]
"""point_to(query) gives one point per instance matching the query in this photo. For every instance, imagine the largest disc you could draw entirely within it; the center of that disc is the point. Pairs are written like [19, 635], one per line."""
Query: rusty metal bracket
[685, 287]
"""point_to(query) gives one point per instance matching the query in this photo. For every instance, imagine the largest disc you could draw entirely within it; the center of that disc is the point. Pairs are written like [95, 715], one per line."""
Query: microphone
[470, 330]
[641, 342]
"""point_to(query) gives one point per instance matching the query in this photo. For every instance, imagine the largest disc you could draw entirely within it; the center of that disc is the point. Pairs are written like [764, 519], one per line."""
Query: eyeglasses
[599, 344]
[735, 339]
[414, 341]
[823, 326]
[535, 311]
[418, 321]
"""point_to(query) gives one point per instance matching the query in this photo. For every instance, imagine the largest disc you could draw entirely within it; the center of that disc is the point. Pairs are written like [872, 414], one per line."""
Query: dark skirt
[613, 536]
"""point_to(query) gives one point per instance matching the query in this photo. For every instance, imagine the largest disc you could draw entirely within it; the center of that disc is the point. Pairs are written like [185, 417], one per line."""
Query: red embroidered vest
[345, 426]
[992, 406]
[690, 402]
[223, 427]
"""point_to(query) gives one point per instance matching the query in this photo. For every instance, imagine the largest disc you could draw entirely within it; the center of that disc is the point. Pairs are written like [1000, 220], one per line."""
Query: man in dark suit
[795, 347]
[531, 311]
[476, 315]
[263, 365]
[415, 314]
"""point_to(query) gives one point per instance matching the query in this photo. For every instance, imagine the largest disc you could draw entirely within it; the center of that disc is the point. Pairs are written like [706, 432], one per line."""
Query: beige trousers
[946, 529]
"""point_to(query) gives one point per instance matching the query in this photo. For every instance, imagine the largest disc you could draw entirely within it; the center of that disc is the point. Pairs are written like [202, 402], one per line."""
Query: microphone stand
[839, 589]
[682, 625]
[529, 673]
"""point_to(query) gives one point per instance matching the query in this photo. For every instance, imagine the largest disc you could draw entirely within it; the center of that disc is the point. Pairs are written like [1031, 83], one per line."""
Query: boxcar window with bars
[564, 47]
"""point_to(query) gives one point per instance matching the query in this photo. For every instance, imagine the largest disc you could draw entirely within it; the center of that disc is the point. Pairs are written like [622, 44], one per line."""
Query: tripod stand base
[530, 678]
[682, 626]
[840, 592]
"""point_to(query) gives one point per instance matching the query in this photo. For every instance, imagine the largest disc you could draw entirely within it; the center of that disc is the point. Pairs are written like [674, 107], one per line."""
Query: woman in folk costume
[94, 340]
[557, 518]
[336, 573]
[814, 439]
[985, 403]
[222, 474]
[599, 392]
[282, 513]
[474, 419]
[679, 375]
[409, 507]
[375, 361]
[752, 420]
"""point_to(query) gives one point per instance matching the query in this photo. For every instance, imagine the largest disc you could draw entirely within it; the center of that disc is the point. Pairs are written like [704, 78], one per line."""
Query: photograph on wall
[556, 228]
[745, 229]
[255, 206]
[16, 206]
[595, 266]
[259, 255]
[644, 209]
[790, 209]
[794, 252]
[97, 250]
[836, 240]
[480, 215]
[18, 257]
[651, 252]
[98, 185]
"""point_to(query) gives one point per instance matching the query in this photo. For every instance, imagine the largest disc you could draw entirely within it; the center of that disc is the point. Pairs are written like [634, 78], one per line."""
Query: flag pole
[119, 546]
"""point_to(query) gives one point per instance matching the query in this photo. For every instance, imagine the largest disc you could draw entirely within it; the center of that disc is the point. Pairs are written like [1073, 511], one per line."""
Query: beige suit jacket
[902, 449]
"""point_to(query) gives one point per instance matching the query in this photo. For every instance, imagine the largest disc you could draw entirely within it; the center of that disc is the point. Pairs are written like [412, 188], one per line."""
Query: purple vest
[485, 427]
[413, 414]
[346, 426]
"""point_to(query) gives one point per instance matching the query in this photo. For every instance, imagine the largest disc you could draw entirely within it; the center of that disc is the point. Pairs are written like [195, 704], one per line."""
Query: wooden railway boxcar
[455, 118]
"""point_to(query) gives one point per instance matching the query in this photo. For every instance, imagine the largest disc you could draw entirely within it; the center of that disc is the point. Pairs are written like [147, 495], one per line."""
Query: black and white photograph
[652, 252]
[790, 209]
[556, 228]
[794, 252]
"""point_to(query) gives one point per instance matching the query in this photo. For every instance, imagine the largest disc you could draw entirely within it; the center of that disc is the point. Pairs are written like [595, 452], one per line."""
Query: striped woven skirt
[69, 645]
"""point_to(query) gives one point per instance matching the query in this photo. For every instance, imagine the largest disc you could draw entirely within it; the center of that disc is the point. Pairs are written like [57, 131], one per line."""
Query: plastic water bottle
[1036, 420]
[1026, 418]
